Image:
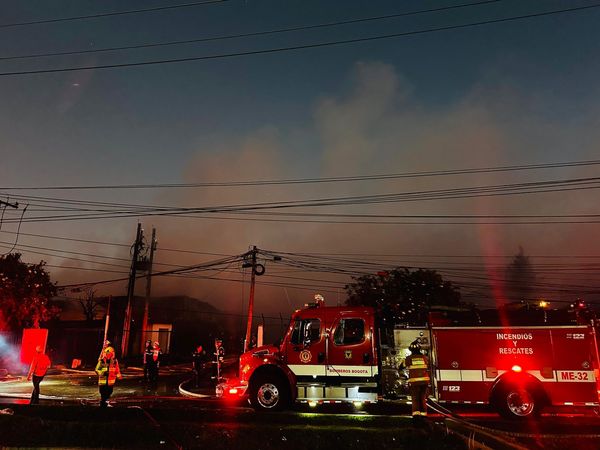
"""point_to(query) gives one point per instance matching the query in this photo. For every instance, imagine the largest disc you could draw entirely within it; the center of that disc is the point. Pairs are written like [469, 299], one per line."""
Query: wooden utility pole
[251, 300]
[6, 205]
[130, 291]
[153, 243]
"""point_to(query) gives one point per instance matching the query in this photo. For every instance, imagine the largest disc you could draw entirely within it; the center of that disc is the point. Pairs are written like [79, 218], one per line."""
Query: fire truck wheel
[518, 402]
[269, 393]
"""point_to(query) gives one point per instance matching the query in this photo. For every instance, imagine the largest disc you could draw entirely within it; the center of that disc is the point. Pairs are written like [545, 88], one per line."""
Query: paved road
[79, 385]
[158, 411]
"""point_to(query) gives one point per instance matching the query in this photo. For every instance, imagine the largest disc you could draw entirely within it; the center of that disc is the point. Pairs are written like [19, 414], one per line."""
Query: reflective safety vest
[418, 372]
[107, 371]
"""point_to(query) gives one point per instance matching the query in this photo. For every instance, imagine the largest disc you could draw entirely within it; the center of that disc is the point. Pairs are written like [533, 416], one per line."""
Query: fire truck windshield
[306, 331]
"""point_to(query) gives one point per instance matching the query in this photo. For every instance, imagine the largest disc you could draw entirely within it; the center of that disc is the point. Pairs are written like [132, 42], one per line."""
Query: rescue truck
[333, 355]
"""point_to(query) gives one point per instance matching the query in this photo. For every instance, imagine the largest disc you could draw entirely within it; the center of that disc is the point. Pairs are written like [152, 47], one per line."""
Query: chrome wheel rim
[520, 403]
[268, 395]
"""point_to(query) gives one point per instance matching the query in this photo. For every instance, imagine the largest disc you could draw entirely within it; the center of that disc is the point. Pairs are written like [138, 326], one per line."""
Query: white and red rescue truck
[518, 370]
[332, 355]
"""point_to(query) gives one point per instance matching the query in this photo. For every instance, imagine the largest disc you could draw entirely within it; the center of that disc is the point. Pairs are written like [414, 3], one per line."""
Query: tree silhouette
[90, 304]
[402, 296]
[25, 291]
[520, 278]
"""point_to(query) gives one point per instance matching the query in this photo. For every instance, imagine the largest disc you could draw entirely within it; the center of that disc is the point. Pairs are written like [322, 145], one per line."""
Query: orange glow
[516, 368]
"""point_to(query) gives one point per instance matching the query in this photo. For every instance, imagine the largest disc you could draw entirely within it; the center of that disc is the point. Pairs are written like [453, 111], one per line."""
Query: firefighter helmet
[415, 347]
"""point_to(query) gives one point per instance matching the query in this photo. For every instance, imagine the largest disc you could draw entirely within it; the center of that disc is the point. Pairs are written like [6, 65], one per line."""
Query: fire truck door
[305, 352]
[350, 350]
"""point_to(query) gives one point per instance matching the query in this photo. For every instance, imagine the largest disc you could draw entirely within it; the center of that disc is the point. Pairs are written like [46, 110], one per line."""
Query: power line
[109, 14]
[429, 173]
[210, 265]
[297, 47]
[118, 244]
[346, 267]
[272, 208]
[365, 256]
[245, 35]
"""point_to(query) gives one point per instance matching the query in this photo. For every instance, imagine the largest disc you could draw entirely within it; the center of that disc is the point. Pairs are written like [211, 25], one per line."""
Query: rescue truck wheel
[269, 393]
[518, 402]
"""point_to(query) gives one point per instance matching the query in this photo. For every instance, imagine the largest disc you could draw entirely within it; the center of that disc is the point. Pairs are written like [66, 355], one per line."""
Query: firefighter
[418, 379]
[37, 371]
[105, 345]
[108, 371]
[199, 359]
[154, 362]
[148, 353]
[219, 358]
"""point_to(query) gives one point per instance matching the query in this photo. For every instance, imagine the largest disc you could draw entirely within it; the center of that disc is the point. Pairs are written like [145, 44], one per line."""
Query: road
[157, 416]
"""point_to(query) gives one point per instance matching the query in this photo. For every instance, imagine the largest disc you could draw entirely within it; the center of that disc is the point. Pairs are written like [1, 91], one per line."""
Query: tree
[90, 304]
[25, 292]
[520, 277]
[403, 296]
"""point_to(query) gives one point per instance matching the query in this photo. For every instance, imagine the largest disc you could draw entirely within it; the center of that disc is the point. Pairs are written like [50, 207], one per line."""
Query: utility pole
[130, 290]
[252, 264]
[14, 205]
[153, 243]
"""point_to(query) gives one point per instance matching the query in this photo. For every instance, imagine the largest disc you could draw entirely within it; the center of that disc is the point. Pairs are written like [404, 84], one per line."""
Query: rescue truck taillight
[516, 369]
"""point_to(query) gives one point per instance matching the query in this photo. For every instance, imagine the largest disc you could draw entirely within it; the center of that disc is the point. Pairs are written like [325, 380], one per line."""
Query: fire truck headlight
[358, 404]
[312, 404]
[233, 391]
[516, 368]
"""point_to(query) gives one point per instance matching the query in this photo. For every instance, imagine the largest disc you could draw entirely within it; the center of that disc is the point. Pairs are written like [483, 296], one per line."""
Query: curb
[12, 380]
[474, 435]
[42, 396]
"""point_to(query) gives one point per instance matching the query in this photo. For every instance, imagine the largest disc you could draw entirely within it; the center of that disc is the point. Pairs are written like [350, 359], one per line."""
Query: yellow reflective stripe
[418, 379]
[421, 367]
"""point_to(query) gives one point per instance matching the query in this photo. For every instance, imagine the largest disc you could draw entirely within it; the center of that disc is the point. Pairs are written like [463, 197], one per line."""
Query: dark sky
[510, 93]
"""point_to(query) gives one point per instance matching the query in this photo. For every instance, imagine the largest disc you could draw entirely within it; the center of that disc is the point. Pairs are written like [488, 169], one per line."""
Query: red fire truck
[333, 355]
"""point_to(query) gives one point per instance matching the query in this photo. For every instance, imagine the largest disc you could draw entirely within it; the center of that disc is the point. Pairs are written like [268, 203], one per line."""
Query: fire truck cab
[328, 355]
